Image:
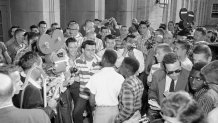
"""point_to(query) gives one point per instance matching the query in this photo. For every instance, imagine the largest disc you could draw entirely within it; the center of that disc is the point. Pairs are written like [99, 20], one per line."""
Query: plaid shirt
[204, 100]
[129, 98]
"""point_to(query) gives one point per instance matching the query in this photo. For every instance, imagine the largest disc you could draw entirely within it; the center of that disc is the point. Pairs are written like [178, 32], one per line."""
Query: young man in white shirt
[105, 87]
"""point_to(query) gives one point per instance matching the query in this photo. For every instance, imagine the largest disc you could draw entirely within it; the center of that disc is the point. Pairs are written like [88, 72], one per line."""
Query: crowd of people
[111, 74]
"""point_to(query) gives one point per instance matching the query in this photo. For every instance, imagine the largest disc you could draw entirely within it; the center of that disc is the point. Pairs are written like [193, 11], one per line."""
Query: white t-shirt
[106, 85]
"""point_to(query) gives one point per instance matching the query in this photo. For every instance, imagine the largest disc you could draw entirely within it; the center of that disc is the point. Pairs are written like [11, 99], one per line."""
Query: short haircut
[163, 26]
[165, 47]
[42, 22]
[198, 66]
[170, 58]
[69, 40]
[181, 105]
[71, 21]
[110, 56]
[87, 21]
[97, 20]
[33, 26]
[184, 44]
[123, 26]
[18, 31]
[110, 36]
[211, 68]
[129, 36]
[8, 69]
[10, 30]
[171, 22]
[202, 30]
[161, 31]
[87, 42]
[31, 35]
[53, 24]
[7, 92]
[145, 22]
[131, 63]
[28, 60]
[202, 49]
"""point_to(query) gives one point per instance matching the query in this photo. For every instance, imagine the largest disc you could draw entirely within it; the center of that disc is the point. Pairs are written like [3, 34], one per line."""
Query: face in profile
[15, 76]
[173, 70]
[196, 80]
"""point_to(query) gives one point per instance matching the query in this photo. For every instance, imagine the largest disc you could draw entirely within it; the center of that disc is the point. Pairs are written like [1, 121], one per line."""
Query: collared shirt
[85, 72]
[187, 64]
[129, 98]
[204, 100]
[168, 82]
[99, 44]
[138, 55]
[106, 85]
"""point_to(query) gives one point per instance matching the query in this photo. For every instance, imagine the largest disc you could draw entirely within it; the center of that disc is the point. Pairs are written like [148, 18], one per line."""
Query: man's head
[73, 29]
[202, 53]
[200, 34]
[168, 37]
[143, 27]
[105, 31]
[182, 48]
[210, 72]
[14, 73]
[211, 36]
[110, 41]
[182, 35]
[124, 30]
[6, 89]
[161, 50]
[54, 25]
[129, 66]
[91, 35]
[170, 26]
[19, 35]
[42, 27]
[109, 58]
[97, 22]
[12, 30]
[72, 46]
[34, 28]
[88, 48]
[196, 79]
[172, 65]
[89, 26]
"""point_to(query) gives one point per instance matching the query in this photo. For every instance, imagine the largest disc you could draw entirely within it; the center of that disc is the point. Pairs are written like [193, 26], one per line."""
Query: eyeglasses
[171, 72]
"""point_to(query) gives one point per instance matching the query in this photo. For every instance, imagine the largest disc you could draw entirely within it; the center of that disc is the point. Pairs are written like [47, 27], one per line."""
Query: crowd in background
[110, 73]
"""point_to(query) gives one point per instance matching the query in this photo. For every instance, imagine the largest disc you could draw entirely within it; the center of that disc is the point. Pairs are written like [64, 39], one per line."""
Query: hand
[166, 93]
[52, 103]
[154, 105]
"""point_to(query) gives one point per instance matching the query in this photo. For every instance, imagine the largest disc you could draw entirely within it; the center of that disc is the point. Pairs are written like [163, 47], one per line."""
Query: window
[214, 13]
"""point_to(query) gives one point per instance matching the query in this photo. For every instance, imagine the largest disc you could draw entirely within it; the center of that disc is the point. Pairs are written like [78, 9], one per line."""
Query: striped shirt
[85, 72]
[129, 98]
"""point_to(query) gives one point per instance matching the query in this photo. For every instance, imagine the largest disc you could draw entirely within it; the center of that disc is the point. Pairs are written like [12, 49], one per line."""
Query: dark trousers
[74, 91]
[79, 109]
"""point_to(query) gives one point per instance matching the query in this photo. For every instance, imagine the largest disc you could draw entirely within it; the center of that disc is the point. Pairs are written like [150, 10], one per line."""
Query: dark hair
[197, 66]
[163, 26]
[110, 36]
[10, 30]
[87, 42]
[54, 24]
[110, 56]
[145, 22]
[104, 27]
[129, 36]
[33, 26]
[31, 35]
[202, 30]
[49, 31]
[170, 58]
[183, 32]
[161, 31]
[28, 60]
[184, 44]
[202, 49]
[69, 40]
[41, 22]
[131, 63]
[97, 20]
[165, 47]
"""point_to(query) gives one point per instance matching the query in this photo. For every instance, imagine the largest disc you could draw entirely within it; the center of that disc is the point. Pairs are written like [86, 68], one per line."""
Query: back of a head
[202, 49]
[182, 106]
[110, 56]
[28, 60]
[132, 64]
[165, 47]
[6, 88]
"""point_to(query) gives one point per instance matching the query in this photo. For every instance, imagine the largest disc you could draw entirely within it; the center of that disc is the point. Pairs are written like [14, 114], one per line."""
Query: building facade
[28, 12]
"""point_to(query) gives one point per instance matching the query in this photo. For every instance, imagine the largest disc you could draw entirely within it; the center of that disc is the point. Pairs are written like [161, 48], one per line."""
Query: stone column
[28, 12]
